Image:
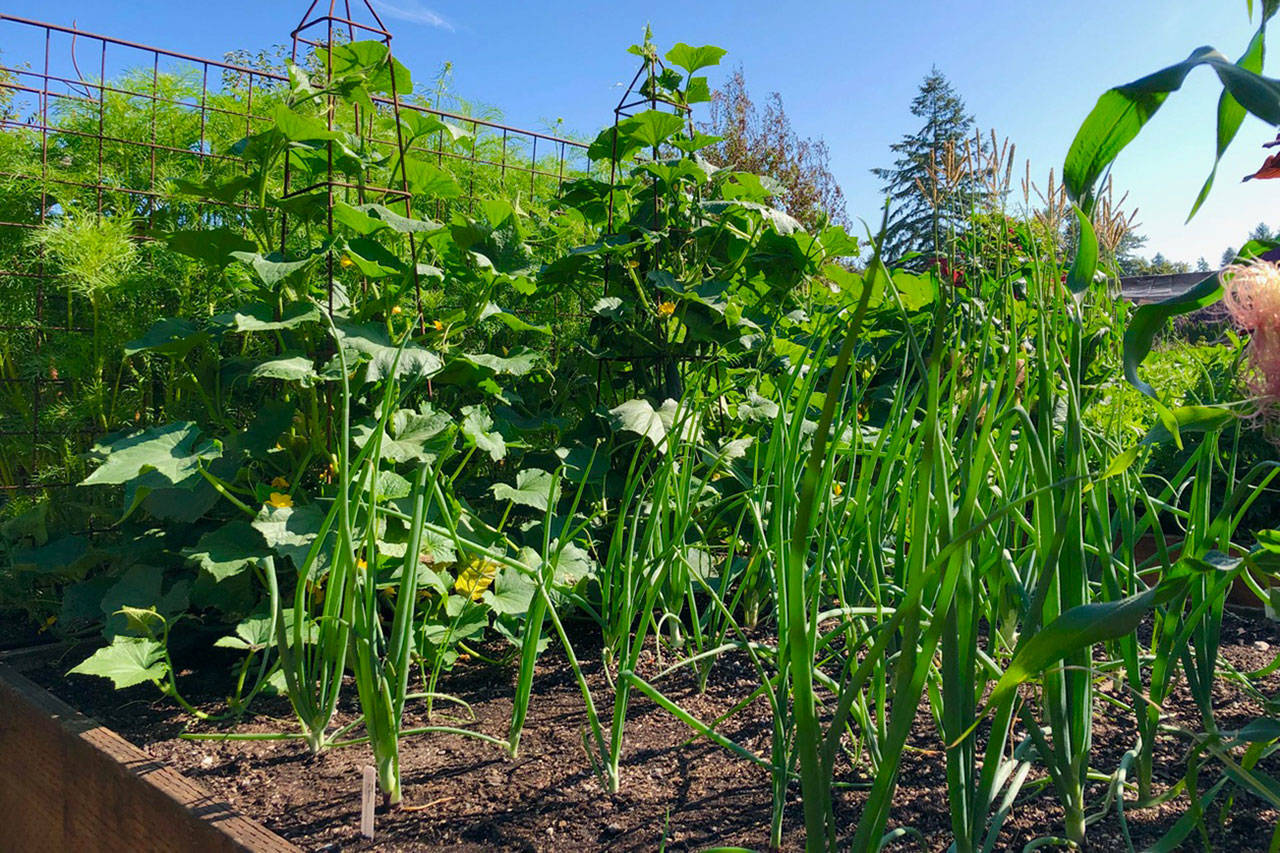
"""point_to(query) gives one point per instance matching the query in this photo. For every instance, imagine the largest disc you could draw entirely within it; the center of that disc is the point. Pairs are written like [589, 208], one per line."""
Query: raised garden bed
[69, 783]
[690, 795]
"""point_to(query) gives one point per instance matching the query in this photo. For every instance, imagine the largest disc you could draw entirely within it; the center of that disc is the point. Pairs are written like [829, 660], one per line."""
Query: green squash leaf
[370, 64]
[693, 59]
[385, 358]
[66, 556]
[422, 124]
[259, 317]
[757, 408]
[430, 181]
[418, 437]
[273, 268]
[512, 592]
[173, 336]
[296, 127]
[511, 321]
[477, 429]
[228, 551]
[641, 418]
[414, 361]
[127, 662]
[252, 634]
[372, 258]
[368, 219]
[214, 246]
[916, 291]
[647, 130]
[534, 488]
[470, 369]
[290, 368]
[698, 91]
[289, 531]
[173, 451]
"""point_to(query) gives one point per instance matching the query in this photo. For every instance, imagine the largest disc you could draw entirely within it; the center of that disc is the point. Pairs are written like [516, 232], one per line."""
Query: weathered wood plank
[69, 783]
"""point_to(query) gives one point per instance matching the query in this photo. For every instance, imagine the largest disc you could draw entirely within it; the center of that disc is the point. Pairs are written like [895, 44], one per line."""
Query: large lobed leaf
[227, 551]
[534, 488]
[693, 59]
[290, 532]
[477, 429]
[128, 661]
[173, 451]
[649, 129]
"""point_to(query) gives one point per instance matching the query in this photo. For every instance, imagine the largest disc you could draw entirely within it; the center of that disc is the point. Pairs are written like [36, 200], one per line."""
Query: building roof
[1142, 289]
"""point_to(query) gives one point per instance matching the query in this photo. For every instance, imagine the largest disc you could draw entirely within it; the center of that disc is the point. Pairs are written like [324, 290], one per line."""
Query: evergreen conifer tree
[928, 200]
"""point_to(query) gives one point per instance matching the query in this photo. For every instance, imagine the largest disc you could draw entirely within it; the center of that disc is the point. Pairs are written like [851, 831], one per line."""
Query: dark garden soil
[17, 632]
[463, 794]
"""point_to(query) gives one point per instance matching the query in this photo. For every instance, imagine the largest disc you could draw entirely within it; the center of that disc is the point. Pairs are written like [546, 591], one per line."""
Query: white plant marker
[368, 787]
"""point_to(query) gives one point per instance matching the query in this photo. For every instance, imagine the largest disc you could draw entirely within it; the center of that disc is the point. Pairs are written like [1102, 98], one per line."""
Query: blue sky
[846, 71]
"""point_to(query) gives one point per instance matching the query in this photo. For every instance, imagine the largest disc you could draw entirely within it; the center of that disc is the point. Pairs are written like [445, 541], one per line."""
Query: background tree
[931, 193]
[1127, 257]
[764, 142]
[1157, 265]
[1131, 263]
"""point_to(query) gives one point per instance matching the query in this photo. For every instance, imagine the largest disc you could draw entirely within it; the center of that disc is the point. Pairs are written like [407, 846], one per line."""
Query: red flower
[1270, 169]
[946, 271]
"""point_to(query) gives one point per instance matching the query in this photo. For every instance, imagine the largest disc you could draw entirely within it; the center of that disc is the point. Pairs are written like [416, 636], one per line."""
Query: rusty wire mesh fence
[98, 139]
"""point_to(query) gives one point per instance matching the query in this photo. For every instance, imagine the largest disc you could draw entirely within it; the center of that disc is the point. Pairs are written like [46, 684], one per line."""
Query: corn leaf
[1079, 628]
[1122, 112]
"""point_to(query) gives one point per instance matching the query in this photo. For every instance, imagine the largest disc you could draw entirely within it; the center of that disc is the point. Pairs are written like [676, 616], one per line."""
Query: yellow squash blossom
[279, 500]
[279, 483]
[439, 327]
[476, 578]
[666, 309]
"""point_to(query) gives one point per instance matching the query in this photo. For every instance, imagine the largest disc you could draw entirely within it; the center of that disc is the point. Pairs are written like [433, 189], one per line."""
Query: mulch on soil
[686, 793]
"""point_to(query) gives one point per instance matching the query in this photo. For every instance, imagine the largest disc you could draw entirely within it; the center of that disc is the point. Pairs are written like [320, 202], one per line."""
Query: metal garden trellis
[355, 30]
[642, 91]
[43, 81]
